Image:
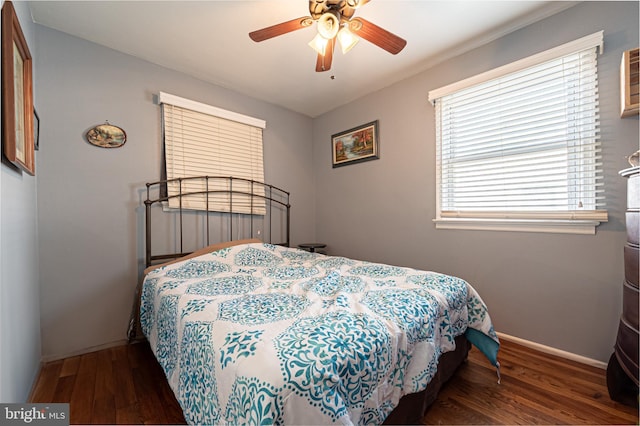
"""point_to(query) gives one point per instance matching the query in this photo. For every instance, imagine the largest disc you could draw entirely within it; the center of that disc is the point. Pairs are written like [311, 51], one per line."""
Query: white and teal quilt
[263, 334]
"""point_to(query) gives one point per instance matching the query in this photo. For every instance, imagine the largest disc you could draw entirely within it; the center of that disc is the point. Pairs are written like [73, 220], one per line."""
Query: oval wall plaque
[106, 136]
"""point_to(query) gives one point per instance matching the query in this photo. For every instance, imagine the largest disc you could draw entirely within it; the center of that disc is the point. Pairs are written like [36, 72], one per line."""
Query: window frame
[571, 222]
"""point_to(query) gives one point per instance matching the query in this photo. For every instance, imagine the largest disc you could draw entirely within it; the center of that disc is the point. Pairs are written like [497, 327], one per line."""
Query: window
[201, 140]
[518, 147]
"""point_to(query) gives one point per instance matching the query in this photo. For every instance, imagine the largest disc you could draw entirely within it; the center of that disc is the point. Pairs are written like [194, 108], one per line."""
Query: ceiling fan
[335, 21]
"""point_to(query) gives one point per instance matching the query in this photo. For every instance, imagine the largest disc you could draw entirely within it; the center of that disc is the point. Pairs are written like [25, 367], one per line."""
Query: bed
[250, 331]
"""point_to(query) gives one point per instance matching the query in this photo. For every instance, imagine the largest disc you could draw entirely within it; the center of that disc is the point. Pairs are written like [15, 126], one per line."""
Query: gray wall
[90, 212]
[562, 291]
[19, 289]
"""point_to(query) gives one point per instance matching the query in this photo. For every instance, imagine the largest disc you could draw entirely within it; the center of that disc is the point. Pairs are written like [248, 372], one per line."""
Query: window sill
[556, 226]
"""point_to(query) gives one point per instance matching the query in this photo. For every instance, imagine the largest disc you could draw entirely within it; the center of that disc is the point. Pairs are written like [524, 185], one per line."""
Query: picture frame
[356, 145]
[17, 94]
[106, 136]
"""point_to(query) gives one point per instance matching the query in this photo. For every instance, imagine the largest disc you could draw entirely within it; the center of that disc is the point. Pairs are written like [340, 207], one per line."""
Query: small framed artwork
[17, 94]
[106, 136]
[355, 145]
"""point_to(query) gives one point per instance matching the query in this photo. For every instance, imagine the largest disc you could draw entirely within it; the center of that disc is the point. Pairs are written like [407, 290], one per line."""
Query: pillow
[209, 249]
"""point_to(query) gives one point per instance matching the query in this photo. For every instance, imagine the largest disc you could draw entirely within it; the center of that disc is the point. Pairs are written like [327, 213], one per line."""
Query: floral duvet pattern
[262, 334]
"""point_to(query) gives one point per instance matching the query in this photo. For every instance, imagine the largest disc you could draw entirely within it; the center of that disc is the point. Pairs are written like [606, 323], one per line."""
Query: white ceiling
[209, 40]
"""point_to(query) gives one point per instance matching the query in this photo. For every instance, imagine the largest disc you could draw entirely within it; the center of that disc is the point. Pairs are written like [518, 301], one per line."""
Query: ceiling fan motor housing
[344, 9]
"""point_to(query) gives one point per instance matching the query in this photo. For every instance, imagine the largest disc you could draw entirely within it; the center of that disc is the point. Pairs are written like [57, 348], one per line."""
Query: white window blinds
[524, 144]
[199, 141]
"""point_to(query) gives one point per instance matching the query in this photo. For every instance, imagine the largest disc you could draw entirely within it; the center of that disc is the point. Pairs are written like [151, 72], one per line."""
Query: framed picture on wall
[355, 145]
[17, 94]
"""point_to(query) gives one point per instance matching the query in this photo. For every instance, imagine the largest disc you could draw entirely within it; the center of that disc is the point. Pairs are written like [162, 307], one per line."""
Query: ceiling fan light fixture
[328, 25]
[347, 39]
[319, 44]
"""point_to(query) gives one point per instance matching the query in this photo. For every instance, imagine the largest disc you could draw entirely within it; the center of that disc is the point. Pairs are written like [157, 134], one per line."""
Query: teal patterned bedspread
[262, 334]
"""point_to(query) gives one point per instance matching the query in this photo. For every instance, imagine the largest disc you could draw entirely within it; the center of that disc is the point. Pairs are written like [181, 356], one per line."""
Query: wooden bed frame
[412, 407]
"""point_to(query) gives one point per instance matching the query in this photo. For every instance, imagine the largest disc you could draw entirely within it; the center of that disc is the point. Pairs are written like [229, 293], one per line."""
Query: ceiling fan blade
[282, 28]
[377, 35]
[323, 62]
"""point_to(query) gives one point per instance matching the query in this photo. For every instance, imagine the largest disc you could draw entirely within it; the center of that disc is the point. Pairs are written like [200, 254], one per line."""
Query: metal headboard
[271, 195]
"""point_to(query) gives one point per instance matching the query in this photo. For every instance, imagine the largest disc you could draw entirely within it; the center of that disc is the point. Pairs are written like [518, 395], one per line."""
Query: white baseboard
[554, 351]
[49, 358]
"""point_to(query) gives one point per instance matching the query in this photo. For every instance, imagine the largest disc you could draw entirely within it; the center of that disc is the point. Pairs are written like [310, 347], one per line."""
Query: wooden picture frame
[17, 94]
[355, 145]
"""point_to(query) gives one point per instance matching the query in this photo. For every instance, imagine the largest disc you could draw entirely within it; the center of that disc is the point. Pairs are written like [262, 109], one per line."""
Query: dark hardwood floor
[125, 385]
[536, 388]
